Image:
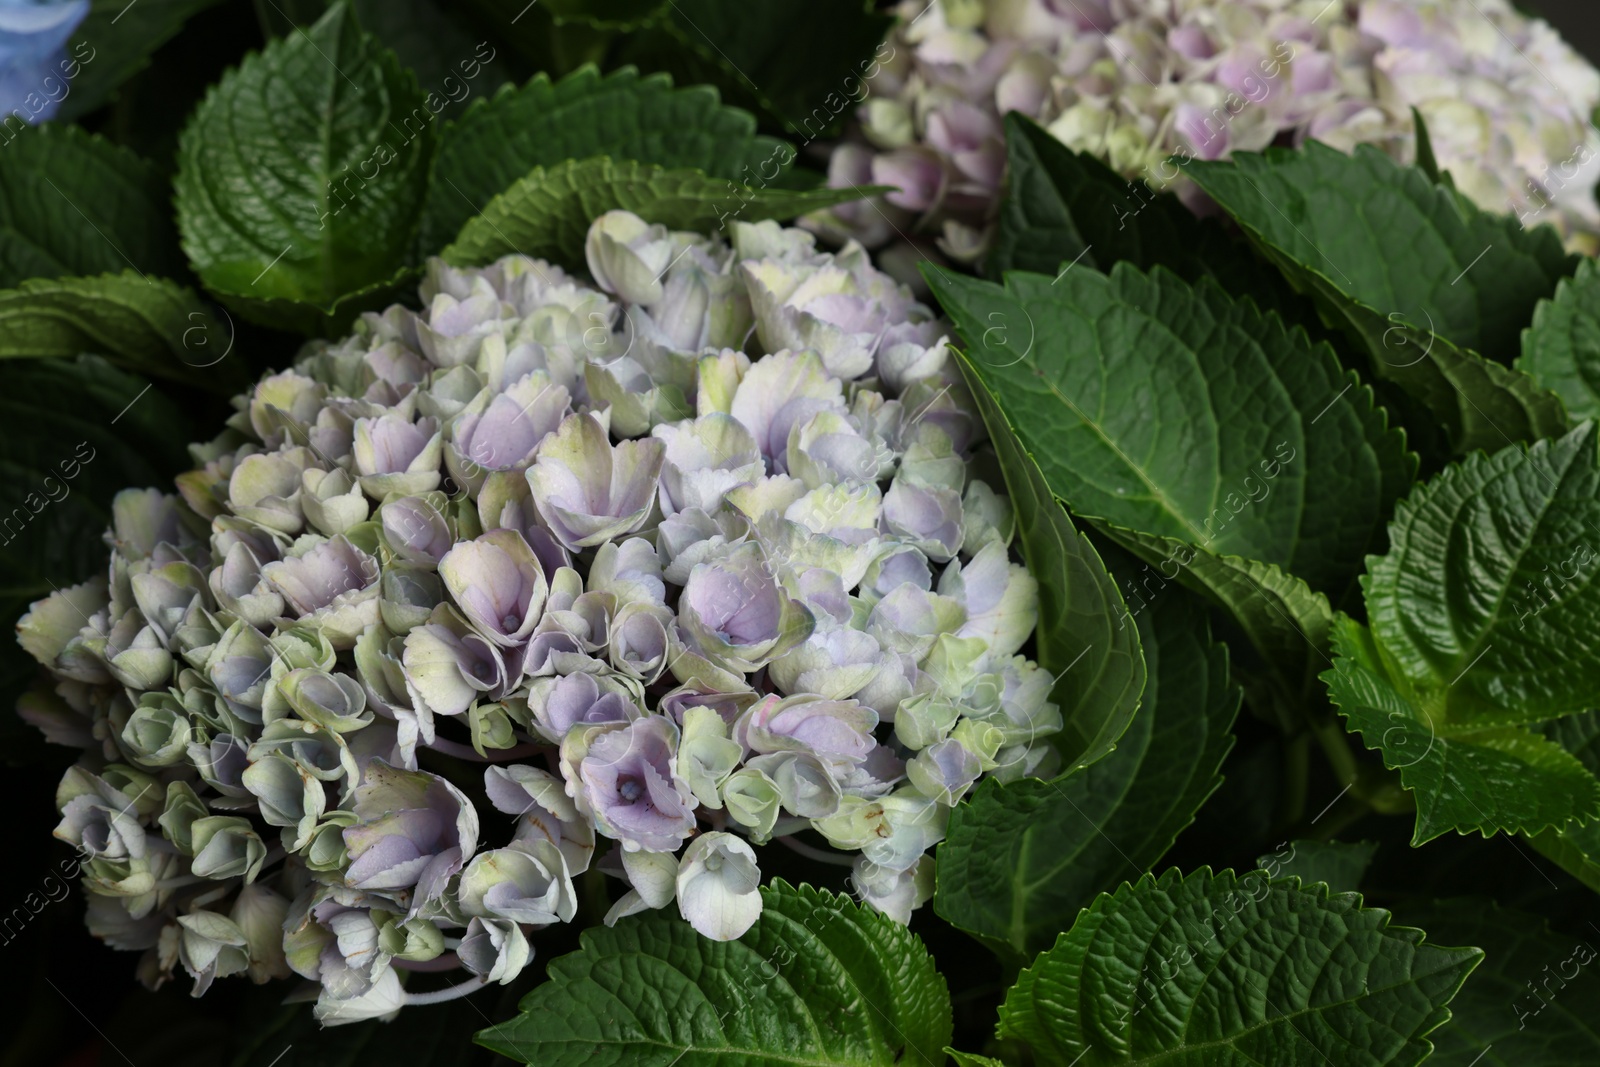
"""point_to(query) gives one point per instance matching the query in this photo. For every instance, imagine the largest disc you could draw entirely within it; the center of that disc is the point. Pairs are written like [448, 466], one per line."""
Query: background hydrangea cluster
[1507, 103]
[689, 563]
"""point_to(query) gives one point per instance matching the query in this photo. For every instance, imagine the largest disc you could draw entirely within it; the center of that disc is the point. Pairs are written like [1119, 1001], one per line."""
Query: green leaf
[1286, 621]
[1531, 1003]
[74, 203]
[147, 325]
[301, 176]
[1257, 447]
[1337, 864]
[807, 64]
[1561, 350]
[1396, 259]
[1064, 207]
[972, 1059]
[1019, 861]
[1391, 239]
[817, 981]
[115, 42]
[1484, 778]
[1083, 638]
[547, 213]
[1575, 847]
[1211, 970]
[1426, 162]
[1489, 596]
[541, 124]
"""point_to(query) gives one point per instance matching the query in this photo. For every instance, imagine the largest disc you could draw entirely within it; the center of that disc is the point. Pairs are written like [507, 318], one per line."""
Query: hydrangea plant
[683, 561]
[1147, 86]
[672, 629]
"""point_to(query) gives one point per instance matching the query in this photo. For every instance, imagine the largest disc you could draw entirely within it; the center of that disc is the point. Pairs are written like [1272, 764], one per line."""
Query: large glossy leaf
[1020, 860]
[1575, 846]
[817, 981]
[1483, 778]
[1561, 350]
[1531, 1002]
[622, 115]
[1286, 621]
[147, 325]
[1178, 411]
[1489, 596]
[1422, 278]
[1204, 429]
[1211, 970]
[1063, 207]
[74, 203]
[547, 213]
[1393, 240]
[1084, 637]
[807, 64]
[115, 42]
[301, 176]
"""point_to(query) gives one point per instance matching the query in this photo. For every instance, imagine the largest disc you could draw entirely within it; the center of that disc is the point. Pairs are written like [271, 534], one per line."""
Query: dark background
[1578, 21]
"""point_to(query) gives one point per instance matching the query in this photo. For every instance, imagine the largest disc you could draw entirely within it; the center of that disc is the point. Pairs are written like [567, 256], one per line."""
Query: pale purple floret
[630, 783]
[316, 579]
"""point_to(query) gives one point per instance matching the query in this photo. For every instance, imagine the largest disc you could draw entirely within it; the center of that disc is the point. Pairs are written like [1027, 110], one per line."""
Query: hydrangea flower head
[673, 614]
[1136, 82]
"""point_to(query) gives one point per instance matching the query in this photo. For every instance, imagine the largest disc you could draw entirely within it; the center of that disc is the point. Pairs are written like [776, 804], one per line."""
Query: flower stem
[454, 992]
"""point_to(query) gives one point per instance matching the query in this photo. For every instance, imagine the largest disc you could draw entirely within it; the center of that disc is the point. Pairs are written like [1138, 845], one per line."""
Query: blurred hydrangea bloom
[34, 70]
[682, 577]
[1139, 82]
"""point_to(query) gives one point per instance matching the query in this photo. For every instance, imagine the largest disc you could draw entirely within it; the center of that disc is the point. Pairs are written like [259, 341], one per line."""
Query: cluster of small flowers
[706, 547]
[1137, 82]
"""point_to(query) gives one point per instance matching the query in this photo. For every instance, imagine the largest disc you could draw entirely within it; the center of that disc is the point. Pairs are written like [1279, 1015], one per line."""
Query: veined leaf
[547, 213]
[1575, 847]
[1064, 207]
[1337, 864]
[972, 1059]
[806, 63]
[1084, 638]
[301, 176]
[1286, 621]
[1484, 778]
[115, 42]
[1019, 860]
[1422, 278]
[1393, 240]
[1211, 970]
[1189, 419]
[146, 325]
[622, 115]
[72, 203]
[817, 981]
[1561, 350]
[1489, 596]
[1531, 1003]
